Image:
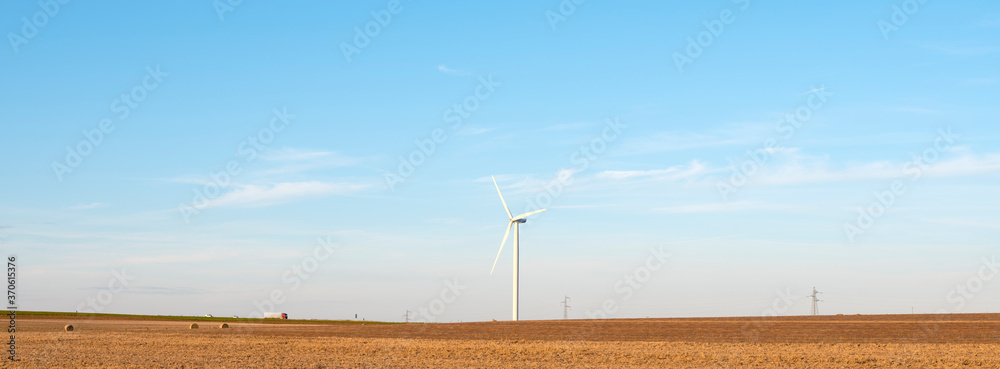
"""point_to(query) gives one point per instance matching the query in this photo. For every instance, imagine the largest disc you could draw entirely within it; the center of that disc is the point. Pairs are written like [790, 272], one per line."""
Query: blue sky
[746, 164]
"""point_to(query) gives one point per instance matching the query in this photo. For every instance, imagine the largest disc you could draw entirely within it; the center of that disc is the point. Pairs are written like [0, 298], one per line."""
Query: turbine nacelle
[523, 217]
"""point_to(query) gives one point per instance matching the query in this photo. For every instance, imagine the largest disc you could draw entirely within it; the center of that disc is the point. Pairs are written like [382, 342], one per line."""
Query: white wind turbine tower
[514, 221]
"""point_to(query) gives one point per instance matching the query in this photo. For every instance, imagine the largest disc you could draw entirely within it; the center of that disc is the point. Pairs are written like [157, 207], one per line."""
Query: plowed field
[872, 341]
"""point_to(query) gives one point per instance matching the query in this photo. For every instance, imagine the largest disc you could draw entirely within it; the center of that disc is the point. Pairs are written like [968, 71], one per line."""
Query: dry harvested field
[872, 341]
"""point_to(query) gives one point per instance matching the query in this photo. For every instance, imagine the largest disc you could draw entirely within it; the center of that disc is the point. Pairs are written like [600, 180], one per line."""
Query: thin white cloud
[470, 130]
[967, 163]
[574, 206]
[445, 221]
[567, 126]
[529, 184]
[291, 160]
[720, 207]
[915, 109]
[172, 291]
[783, 150]
[292, 154]
[818, 170]
[965, 222]
[957, 50]
[203, 256]
[788, 166]
[694, 169]
[681, 141]
[278, 193]
[189, 179]
[278, 162]
[815, 90]
[454, 72]
[93, 205]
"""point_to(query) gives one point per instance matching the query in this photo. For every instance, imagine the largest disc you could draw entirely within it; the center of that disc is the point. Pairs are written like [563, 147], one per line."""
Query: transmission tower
[407, 316]
[566, 307]
[815, 301]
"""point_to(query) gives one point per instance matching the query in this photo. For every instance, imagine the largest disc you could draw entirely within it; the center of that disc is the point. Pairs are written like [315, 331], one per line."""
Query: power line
[815, 301]
[566, 307]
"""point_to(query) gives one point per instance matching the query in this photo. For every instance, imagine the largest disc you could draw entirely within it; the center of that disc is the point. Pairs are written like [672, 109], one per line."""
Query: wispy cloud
[278, 162]
[915, 109]
[278, 193]
[815, 90]
[453, 72]
[292, 154]
[186, 178]
[151, 290]
[802, 169]
[965, 222]
[445, 221]
[958, 50]
[724, 207]
[288, 160]
[201, 256]
[93, 205]
[567, 126]
[741, 135]
[692, 170]
[589, 206]
[528, 183]
[788, 167]
[471, 130]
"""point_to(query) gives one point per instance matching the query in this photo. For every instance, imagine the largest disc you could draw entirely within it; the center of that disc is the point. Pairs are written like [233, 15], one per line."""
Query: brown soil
[872, 341]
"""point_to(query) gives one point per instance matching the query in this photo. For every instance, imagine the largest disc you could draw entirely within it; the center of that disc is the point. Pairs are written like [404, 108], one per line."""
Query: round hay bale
[68, 327]
[194, 325]
[224, 325]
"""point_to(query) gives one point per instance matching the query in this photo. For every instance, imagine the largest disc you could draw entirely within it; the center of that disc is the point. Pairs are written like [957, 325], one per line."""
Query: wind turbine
[514, 221]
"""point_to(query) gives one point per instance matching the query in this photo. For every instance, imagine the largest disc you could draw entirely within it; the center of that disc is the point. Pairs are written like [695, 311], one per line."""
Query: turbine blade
[501, 198]
[505, 234]
[525, 215]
